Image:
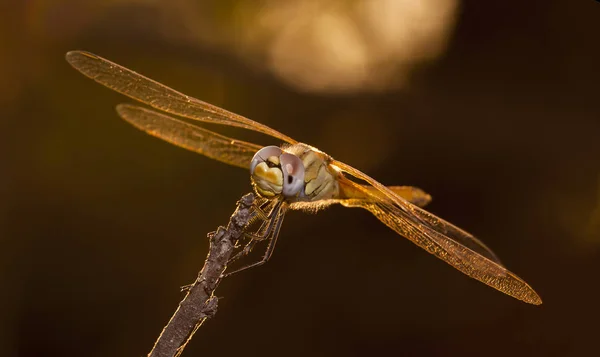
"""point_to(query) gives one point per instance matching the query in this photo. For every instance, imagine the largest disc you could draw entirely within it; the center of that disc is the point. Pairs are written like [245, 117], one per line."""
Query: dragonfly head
[274, 172]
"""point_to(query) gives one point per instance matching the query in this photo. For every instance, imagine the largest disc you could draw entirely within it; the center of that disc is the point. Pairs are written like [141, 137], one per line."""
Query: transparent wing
[440, 238]
[351, 197]
[414, 195]
[444, 227]
[159, 96]
[188, 136]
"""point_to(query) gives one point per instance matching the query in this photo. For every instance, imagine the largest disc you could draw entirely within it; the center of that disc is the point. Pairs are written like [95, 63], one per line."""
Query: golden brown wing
[188, 136]
[438, 237]
[159, 96]
[414, 195]
[439, 224]
[354, 197]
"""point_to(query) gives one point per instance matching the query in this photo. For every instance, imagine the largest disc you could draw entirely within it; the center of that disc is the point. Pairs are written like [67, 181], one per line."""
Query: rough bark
[200, 302]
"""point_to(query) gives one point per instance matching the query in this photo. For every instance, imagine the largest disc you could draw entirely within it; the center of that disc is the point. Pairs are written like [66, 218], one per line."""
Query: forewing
[440, 238]
[159, 96]
[188, 136]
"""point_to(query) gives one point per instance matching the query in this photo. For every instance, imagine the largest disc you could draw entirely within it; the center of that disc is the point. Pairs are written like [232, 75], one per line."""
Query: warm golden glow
[340, 46]
[335, 46]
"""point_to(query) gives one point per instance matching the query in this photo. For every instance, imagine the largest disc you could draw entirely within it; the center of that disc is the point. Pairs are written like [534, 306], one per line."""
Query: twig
[200, 302]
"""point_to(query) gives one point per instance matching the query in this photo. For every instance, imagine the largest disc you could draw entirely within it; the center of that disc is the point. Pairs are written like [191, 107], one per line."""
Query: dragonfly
[296, 176]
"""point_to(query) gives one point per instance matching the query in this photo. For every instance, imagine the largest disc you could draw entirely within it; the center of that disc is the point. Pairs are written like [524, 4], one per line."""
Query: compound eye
[263, 155]
[293, 174]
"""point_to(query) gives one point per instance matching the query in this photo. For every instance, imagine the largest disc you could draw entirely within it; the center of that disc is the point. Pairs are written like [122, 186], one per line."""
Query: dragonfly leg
[270, 247]
[260, 213]
[245, 251]
[261, 234]
[262, 209]
[264, 231]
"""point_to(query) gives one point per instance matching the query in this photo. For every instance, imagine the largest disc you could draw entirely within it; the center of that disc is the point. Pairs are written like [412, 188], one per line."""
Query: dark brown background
[100, 224]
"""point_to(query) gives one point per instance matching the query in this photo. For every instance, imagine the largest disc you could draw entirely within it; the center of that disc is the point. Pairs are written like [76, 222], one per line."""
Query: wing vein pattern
[438, 237]
[159, 96]
[213, 145]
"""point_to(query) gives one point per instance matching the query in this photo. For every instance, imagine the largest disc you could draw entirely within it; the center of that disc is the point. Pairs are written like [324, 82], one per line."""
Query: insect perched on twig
[297, 176]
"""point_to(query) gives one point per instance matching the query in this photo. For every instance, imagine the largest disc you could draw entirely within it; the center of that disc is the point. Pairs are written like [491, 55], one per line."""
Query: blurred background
[492, 107]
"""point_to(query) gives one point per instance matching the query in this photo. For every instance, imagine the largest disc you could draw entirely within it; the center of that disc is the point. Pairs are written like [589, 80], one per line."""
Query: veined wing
[414, 195]
[352, 197]
[188, 136]
[440, 238]
[444, 227]
[159, 96]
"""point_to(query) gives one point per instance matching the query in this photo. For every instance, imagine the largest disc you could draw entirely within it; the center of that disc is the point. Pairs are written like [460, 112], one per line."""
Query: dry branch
[200, 302]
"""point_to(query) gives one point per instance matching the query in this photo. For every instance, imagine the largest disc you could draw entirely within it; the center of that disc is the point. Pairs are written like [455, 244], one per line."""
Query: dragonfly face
[274, 172]
[298, 176]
